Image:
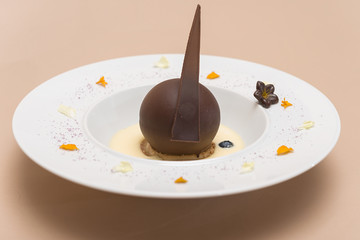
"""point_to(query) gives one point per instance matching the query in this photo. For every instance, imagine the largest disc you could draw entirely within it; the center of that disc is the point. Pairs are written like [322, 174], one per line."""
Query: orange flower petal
[212, 75]
[102, 81]
[180, 180]
[284, 150]
[285, 104]
[69, 147]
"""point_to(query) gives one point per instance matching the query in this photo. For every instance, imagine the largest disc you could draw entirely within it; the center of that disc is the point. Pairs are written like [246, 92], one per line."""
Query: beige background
[318, 41]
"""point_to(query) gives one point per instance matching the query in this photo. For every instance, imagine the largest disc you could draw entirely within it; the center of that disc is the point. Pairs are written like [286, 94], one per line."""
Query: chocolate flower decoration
[265, 94]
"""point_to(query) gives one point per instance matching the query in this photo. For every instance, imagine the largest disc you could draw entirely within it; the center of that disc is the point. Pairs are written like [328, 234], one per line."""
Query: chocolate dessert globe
[101, 111]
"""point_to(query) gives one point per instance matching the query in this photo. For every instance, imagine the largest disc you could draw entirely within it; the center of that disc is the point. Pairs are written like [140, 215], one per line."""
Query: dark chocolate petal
[267, 103]
[273, 98]
[258, 95]
[260, 86]
[264, 102]
[269, 88]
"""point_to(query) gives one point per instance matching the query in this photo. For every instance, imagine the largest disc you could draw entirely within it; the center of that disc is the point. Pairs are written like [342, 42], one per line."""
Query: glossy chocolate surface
[157, 116]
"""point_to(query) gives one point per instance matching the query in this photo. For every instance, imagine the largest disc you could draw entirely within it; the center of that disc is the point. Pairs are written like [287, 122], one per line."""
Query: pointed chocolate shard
[186, 125]
[180, 116]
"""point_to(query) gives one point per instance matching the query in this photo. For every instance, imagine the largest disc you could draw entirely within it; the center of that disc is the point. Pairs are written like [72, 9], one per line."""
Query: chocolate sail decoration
[180, 116]
[186, 125]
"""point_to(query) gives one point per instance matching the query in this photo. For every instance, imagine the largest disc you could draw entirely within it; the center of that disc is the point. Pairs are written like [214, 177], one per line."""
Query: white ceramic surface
[39, 129]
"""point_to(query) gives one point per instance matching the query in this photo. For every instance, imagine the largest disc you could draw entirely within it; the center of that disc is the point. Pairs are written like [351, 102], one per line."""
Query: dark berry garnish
[226, 144]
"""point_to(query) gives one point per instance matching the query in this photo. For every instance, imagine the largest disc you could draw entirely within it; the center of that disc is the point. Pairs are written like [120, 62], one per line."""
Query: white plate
[40, 129]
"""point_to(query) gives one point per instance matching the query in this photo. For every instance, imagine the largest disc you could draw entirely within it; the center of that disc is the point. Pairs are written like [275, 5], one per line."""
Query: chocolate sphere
[157, 113]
